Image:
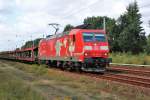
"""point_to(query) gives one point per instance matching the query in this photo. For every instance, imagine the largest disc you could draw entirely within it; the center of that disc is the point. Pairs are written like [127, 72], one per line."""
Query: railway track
[122, 78]
[135, 71]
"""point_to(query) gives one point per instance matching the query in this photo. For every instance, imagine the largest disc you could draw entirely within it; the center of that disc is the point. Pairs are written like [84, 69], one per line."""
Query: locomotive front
[95, 51]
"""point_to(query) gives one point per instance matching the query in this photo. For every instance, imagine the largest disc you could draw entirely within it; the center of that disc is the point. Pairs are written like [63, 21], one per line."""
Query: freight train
[79, 49]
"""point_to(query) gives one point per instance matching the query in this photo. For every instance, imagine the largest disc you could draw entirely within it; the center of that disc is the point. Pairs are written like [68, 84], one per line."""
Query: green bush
[128, 58]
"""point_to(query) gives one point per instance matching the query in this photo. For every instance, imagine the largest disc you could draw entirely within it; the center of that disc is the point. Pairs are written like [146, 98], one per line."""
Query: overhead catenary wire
[72, 13]
[81, 9]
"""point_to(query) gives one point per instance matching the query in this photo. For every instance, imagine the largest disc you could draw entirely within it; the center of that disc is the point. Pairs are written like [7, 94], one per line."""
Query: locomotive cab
[95, 45]
[96, 50]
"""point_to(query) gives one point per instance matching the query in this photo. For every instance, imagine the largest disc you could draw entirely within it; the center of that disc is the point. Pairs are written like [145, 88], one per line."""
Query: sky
[23, 20]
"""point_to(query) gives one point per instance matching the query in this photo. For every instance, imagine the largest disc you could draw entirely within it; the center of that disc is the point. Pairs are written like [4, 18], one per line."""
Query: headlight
[105, 54]
[85, 54]
[104, 47]
[87, 47]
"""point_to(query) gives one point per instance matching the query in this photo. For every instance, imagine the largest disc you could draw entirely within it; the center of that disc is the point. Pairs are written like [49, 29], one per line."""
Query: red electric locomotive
[80, 49]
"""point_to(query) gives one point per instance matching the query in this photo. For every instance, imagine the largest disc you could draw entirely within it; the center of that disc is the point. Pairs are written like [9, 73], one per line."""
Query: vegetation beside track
[128, 58]
[14, 88]
[33, 82]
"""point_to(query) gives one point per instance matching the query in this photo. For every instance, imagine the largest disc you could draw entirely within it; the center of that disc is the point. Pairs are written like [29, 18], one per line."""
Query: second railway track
[127, 79]
[135, 71]
[144, 82]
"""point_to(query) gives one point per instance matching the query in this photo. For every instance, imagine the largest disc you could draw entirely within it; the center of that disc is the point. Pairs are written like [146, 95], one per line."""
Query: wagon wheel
[39, 61]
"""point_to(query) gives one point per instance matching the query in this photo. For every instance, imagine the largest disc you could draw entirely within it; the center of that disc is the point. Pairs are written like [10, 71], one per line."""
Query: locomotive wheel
[63, 66]
[70, 66]
[77, 67]
[58, 64]
[66, 66]
[49, 64]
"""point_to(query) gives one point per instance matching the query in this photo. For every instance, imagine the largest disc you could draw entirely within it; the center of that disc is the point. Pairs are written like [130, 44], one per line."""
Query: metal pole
[32, 42]
[55, 26]
[16, 41]
[8, 45]
[22, 43]
[104, 24]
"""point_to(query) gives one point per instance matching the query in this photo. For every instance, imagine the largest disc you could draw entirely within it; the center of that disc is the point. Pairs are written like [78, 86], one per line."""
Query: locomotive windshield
[94, 37]
[100, 37]
[88, 37]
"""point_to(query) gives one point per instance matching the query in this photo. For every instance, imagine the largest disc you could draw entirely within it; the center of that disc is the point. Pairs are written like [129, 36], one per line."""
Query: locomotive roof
[73, 31]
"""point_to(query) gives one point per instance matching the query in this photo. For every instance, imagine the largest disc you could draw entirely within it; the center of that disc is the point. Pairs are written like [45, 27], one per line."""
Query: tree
[68, 27]
[94, 22]
[29, 44]
[131, 38]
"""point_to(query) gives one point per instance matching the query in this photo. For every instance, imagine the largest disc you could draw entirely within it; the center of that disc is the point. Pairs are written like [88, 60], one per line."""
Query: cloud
[21, 19]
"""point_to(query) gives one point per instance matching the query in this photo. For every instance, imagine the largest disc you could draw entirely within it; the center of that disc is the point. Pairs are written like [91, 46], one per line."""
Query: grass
[38, 70]
[58, 85]
[128, 58]
[13, 88]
